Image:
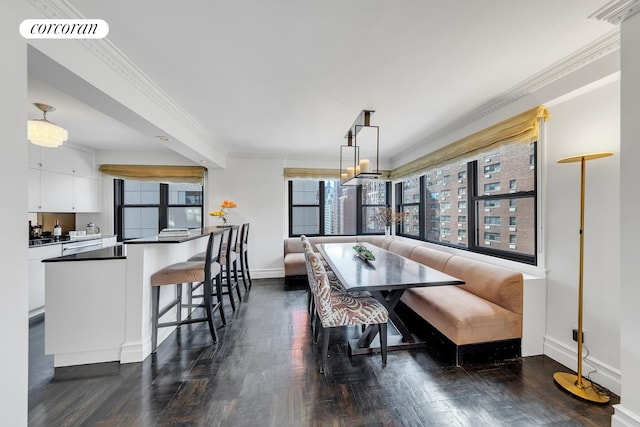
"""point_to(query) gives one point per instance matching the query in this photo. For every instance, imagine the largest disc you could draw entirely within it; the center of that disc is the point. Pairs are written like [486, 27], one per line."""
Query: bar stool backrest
[233, 240]
[226, 234]
[213, 250]
[244, 237]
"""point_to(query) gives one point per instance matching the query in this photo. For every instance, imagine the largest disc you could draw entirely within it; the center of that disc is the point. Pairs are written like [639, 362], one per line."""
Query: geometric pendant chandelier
[359, 158]
[44, 133]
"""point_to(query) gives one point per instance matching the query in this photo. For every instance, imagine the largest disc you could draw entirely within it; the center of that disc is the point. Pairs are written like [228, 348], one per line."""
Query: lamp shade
[43, 132]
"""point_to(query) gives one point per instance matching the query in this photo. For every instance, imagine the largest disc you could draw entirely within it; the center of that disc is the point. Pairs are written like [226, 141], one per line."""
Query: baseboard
[624, 417]
[266, 273]
[606, 375]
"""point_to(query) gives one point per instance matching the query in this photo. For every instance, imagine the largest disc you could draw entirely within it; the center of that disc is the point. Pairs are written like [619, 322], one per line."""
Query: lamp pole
[575, 384]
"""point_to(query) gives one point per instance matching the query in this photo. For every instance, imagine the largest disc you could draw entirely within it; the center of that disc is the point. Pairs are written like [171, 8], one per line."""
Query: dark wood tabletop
[387, 272]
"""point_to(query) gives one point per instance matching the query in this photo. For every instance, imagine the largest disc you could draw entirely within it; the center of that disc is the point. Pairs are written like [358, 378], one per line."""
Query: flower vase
[387, 230]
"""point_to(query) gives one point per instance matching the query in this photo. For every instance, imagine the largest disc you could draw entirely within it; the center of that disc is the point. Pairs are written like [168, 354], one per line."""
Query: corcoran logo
[64, 29]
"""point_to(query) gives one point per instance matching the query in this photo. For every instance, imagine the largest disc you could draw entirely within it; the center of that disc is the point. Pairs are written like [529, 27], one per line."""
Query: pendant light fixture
[359, 158]
[44, 133]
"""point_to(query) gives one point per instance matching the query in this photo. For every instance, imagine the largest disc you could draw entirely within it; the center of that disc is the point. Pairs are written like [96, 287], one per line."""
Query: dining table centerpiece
[222, 212]
[364, 253]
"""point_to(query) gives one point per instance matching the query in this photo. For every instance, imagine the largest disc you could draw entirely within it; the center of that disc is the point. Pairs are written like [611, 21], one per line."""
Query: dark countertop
[36, 243]
[194, 233]
[111, 252]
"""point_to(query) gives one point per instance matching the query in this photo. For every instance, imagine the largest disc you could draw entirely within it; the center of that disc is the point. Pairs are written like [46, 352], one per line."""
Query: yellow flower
[217, 213]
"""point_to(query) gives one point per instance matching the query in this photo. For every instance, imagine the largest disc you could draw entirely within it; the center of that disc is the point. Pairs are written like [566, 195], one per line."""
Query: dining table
[386, 278]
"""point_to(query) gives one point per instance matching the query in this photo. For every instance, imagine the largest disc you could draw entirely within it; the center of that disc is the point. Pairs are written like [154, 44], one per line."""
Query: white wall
[628, 412]
[586, 123]
[14, 308]
[256, 185]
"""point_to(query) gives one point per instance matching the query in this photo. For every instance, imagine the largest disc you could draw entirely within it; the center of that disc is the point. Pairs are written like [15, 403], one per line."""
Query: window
[304, 211]
[324, 207]
[493, 168]
[410, 193]
[492, 186]
[490, 204]
[492, 220]
[144, 208]
[374, 197]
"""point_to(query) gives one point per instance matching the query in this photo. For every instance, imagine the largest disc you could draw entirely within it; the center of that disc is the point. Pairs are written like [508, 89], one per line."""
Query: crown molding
[118, 62]
[616, 11]
[599, 48]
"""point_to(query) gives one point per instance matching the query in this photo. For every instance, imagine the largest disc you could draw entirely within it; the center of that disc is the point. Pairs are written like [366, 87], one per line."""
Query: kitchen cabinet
[62, 180]
[36, 275]
[86, 192]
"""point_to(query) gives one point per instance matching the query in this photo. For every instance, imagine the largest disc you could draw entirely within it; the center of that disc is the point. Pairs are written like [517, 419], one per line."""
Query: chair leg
[246, 268]
[206, 288]
[235, 277]
[325, 350]
[155, 307]
[189, 299]
[179, 305]
[230, 287]
[382, 331]
[218, 283]
[317, 325]
[243, 272]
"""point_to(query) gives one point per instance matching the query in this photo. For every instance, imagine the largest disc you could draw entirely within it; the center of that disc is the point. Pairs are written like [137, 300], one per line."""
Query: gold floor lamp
[575, 384]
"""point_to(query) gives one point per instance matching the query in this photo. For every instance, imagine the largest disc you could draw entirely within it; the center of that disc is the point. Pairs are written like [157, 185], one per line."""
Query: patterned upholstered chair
[336, 309]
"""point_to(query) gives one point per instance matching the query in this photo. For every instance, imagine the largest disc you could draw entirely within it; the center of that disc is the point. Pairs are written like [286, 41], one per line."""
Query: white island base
[99, 310]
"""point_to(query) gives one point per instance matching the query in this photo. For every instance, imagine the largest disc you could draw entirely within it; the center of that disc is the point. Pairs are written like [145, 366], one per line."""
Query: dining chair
[337, 309]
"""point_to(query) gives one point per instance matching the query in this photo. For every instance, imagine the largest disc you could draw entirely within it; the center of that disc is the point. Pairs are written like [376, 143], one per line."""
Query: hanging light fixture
[44, 133]
[359, 158]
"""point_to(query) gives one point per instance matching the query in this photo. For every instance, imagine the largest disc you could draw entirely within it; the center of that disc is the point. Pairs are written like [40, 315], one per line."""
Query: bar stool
[216, 288]
[228, 261]
[175, 275]
[243, 258]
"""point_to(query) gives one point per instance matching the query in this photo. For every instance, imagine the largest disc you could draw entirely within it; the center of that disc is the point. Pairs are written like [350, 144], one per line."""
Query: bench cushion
[499, 285]
[479, 321]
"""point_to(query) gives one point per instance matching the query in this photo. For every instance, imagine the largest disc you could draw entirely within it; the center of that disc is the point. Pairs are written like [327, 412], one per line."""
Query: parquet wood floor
[264, 372]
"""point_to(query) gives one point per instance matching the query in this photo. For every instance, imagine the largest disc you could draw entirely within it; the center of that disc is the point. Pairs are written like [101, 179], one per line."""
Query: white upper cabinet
[62, 179]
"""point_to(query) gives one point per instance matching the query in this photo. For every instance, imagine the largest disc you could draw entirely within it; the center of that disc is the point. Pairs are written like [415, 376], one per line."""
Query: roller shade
[523, 127]
[157, 173]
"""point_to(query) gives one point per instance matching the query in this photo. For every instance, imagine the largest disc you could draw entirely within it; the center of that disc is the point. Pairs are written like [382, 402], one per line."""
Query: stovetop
[38, 241]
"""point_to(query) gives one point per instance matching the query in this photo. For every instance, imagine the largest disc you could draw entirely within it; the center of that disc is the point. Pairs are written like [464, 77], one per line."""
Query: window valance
[316, 173]
[523, 127]
[157, 173]
[311, 173]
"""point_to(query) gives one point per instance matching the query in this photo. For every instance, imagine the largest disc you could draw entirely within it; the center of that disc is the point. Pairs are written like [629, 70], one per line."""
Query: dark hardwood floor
[264, 372]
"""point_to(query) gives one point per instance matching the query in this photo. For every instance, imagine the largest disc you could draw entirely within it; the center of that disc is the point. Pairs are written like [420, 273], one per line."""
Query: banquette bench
[482, 318]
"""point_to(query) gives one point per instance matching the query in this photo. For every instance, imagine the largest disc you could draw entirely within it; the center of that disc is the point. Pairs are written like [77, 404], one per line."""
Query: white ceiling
[290, 76]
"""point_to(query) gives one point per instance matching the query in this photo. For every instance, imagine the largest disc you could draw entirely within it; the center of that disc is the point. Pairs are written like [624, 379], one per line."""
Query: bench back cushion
[430, 257]
[496, 284]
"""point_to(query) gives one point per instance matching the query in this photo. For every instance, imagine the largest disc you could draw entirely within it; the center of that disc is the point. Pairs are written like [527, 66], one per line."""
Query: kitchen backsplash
[48, 220]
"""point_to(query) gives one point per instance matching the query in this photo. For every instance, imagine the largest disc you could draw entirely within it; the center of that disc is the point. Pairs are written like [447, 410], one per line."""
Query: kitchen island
[99, 302]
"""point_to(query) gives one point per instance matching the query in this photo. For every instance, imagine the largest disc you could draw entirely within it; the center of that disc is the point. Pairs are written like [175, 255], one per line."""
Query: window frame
[360, 207]
[163, 206]
[474, 196]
